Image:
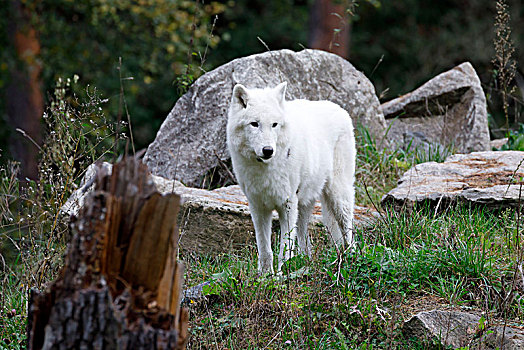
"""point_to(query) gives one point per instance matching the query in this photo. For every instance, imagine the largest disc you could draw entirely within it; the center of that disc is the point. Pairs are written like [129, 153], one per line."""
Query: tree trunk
[329, 27]
[121, 284]
[25, 102]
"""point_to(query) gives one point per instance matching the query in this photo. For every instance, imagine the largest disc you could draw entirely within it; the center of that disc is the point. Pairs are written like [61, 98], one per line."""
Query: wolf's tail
[338, 195]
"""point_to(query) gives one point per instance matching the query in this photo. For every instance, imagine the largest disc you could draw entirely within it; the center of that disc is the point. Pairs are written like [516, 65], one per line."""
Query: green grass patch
[13, 313]
[360, 299]
[379, 166]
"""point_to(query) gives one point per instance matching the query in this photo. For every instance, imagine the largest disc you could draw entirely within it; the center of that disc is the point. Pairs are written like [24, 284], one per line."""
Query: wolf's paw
[265, 271]
[351, 247]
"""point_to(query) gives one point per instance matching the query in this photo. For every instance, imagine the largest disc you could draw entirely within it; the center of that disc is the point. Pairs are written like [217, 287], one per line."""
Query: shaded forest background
[164, 45]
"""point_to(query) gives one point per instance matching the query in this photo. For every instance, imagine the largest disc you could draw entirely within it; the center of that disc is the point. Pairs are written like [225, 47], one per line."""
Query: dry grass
[504, 62]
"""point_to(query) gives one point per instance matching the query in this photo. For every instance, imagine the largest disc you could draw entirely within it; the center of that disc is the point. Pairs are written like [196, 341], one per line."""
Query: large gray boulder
[192, 140]
[491, 179]
[449, 111]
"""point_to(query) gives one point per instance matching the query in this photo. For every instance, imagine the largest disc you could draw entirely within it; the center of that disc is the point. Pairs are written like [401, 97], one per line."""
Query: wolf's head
[256, 123]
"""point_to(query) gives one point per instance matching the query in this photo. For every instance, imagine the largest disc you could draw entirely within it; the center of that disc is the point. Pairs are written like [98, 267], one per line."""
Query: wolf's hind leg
[337, 208]
[338, 195]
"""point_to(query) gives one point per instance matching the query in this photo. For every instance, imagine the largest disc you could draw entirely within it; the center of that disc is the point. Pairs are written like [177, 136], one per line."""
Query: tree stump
[121, 284]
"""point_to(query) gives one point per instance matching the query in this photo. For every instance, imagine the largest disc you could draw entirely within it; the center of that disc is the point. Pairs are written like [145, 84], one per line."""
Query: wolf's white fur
[313, 156]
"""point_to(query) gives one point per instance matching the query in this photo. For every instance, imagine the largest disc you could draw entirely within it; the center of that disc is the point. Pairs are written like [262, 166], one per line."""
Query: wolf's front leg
[262, 221]
[288, 230]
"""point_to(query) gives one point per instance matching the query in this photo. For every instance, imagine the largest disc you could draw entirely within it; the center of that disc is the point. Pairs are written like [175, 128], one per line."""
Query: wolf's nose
[267, 151]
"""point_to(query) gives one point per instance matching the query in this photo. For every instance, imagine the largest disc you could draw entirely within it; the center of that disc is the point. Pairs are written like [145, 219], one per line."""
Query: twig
[222, 164]
[203, 58]
[376, 66]
[29, 138]
[123, 99]
[119, 117]
[521, 274]
[372, 201]
[212, 326]
[263, 43]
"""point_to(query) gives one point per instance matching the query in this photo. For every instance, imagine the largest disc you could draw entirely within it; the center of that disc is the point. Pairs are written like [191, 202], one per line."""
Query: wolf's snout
[267, 151]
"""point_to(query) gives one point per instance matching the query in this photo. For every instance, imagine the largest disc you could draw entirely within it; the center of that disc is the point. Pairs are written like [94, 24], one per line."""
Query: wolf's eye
[254, 124]
[275, 125]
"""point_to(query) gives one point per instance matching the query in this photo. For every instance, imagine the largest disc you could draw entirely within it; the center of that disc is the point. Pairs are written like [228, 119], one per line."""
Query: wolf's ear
[240, 95]
[280, 91]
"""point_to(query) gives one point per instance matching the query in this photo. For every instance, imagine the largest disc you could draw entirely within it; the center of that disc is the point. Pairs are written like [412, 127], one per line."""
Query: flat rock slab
[210, 222]
[462, 329]
[492, 179]
[191, 143]
[449, 111]
[219, 220]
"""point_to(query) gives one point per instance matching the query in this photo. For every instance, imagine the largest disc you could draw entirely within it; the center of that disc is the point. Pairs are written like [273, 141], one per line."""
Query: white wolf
[287, 154]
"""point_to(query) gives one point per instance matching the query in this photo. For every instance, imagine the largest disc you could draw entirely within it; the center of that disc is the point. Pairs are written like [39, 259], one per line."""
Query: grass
[13, 313]
[463, 258]
[378, 168]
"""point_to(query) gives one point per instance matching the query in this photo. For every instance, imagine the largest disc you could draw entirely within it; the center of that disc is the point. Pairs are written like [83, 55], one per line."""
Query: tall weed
[33, 230]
